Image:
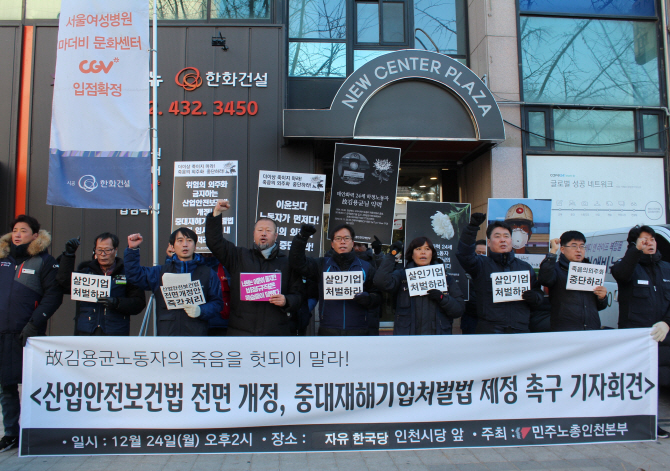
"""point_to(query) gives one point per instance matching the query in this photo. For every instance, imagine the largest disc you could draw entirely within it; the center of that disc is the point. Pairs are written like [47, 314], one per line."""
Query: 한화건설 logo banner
[99, 146]
[123, 395]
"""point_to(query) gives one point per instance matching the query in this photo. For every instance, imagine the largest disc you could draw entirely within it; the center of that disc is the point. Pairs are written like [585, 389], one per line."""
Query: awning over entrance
[408, 95]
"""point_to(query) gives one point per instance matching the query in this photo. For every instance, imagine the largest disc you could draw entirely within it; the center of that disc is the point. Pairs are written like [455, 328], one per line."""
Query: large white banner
[120, 395]
[598, 193]
[99, 147]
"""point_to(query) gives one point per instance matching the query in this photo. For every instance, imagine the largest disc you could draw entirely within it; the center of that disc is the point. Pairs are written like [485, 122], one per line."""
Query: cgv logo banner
[99, 146]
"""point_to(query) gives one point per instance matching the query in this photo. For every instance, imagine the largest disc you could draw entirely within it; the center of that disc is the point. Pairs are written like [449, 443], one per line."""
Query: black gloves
[532, 297]
[363, 299]
[376, 245]
[477, 219]
[396, 248]
[307, 230]
[435, 295]
[28, 331]
[112, 303]
[71, 246]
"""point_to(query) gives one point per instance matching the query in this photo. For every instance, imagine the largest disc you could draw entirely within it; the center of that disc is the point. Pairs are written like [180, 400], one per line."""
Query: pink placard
[259, 286]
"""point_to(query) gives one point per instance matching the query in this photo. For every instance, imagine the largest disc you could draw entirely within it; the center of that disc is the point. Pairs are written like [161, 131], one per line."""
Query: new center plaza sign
[388, 70]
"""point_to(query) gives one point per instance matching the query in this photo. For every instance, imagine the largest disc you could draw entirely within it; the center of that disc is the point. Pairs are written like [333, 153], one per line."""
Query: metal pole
[155, 208]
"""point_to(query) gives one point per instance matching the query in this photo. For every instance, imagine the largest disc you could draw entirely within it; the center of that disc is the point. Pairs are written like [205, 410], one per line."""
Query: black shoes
[7, 443]
[660, 433]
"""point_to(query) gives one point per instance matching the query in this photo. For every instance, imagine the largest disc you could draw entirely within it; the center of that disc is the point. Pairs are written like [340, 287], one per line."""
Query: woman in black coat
[431, 314]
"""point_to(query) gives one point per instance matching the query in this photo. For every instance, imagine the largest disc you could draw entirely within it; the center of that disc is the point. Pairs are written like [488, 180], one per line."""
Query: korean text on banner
[259, 286]
[178, 296]
[342, 285]
[99, 146]
[89, 288]
[585, 277]
[422, 279]
[111, 395]
[509, 285]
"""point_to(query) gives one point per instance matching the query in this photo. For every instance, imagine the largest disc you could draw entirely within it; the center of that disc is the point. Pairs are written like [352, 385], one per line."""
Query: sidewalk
[647, 456]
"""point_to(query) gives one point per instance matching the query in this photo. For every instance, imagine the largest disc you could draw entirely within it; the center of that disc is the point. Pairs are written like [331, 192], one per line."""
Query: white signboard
[342, 285]
[585, 277]
[178, 296]
[598, 193]
[169, 395]
[422, 279]
[90, 287]
[509, 285]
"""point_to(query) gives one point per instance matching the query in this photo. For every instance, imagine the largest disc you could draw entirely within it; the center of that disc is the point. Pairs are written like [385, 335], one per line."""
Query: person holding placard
[265, 316]
[496, 316]
[30, 296]
[570, 309]
[111, 314]
[431, 313]
[191, 320]
[346, 289]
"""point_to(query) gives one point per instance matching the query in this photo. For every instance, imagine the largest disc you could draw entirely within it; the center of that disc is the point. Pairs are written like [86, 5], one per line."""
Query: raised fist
[134, 240]
[477, 219]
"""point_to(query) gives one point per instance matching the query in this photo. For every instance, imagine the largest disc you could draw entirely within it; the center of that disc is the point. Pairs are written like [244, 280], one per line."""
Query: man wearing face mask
[338, 317]
[255, 317]
[110, 315]
[496, 318]
[643, 279]
[520, 219]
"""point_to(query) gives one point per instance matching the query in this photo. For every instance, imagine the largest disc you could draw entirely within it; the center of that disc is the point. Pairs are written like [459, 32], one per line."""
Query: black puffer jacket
[496, 317]
[90, 316]
[644, 289]
[419, 315]
[570, 309]
[254, 317]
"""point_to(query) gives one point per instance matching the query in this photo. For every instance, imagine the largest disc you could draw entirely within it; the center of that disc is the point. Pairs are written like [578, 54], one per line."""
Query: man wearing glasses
[643, 279]
[570, 309]
[345, 316]
[110, 315]
[511, 317]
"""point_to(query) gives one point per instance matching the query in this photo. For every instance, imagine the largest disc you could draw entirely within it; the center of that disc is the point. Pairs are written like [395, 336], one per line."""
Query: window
[589, 61]
[10, 9]
[594, 127]
[309, 59]
[651, 131]
[537, 127]
[598, 7]
[238, 9]
[42, 9]
[439, 25]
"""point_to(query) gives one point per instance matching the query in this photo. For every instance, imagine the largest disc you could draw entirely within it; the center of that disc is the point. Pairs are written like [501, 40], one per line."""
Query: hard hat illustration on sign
[520, 212]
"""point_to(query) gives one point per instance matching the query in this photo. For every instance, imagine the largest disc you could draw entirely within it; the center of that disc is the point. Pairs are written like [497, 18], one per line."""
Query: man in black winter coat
[110, 315]
[496, 318]
[570, 309]
[644, 295]
[255, 317]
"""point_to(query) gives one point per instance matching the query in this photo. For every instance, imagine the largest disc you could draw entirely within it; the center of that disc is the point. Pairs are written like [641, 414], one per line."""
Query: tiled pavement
[646, 456]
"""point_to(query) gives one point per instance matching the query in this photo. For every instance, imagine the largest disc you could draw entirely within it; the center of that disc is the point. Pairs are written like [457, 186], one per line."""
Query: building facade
[480, 96]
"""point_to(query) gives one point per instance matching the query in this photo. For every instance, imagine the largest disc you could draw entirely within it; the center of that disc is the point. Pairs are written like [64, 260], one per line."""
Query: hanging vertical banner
[99, 146]
[442, 223]
[365, 183]
[291, 200]
[197, 188]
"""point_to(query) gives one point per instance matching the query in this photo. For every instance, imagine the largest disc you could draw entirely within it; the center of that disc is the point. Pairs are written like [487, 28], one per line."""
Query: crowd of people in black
[32, 284]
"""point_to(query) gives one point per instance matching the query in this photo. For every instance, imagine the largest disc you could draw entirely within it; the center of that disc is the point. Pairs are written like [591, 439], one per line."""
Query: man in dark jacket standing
[255, 317]
[110, 315]
[337, 317]
[192, 320]
[570, 309]
[644, 295]
[29, 296]
[496, 318]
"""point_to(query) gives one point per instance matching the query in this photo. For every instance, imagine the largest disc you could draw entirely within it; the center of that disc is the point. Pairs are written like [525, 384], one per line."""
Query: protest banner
[99, 145]
[585, 277]
[197, 188]
[179, 295]
[422, 279]
[342, 285]
[363, 194]
[89, 288]
[509, 285]
[291, 200]
[259, 286]
[113, 395]
[442, 223]
[530, 221]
